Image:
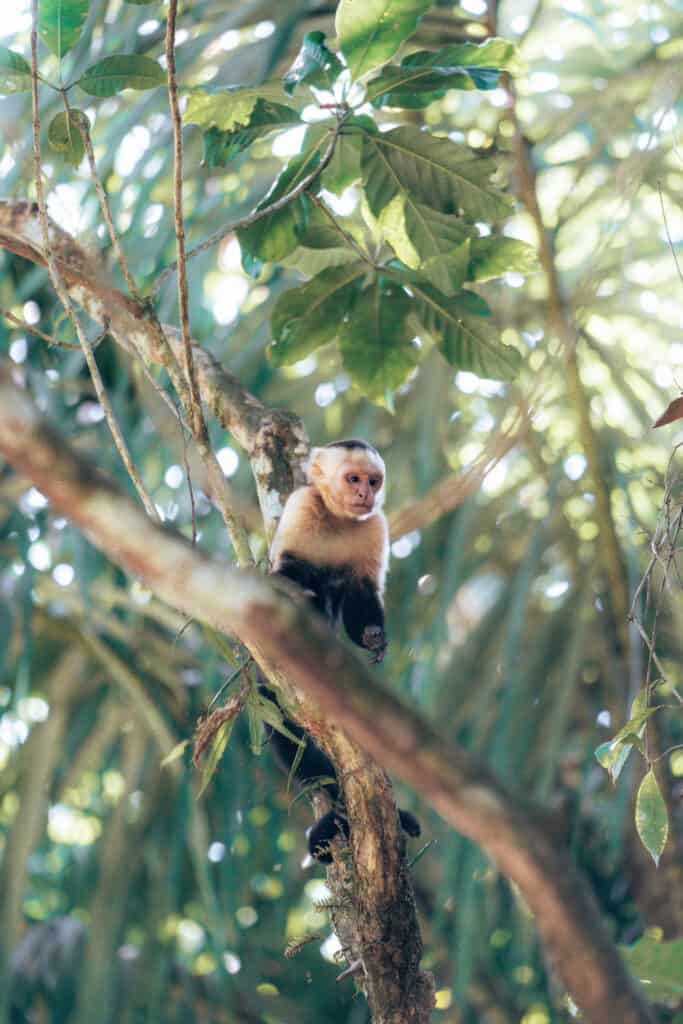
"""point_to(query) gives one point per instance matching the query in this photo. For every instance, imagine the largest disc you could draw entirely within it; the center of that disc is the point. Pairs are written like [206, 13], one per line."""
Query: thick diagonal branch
[286, 634]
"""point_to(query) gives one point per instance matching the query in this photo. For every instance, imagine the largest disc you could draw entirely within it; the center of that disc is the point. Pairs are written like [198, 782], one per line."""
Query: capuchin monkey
[333, 541]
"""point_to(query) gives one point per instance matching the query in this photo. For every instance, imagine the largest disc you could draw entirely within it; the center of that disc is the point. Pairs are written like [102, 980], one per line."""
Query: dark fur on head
[352, 443]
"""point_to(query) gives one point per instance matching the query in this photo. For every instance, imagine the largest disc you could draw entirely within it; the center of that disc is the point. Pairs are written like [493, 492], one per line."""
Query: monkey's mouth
[361, 506]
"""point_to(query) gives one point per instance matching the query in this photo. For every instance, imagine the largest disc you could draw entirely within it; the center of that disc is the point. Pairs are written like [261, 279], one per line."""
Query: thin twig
[195, 415]
[231, 678]
[166, 398]
[324, 208]
[55, 342]
[61, 291]
[253, 217]
[190, 488]
[357, 967]
[669, 750]
[668, 233]
[84, 129]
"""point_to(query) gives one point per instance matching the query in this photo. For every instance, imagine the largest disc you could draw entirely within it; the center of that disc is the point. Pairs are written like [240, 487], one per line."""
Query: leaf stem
[317, 201]
[255, 215]
[61, 291]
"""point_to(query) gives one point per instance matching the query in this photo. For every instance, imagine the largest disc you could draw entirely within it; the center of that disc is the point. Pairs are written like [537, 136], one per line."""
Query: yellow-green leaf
[64, 136]
[60, 23]
[658, 966]
[218, 746]
[377, 342]
[652, 820]
[15, 72]
[175, 754]
[124, 71]
[371, 31]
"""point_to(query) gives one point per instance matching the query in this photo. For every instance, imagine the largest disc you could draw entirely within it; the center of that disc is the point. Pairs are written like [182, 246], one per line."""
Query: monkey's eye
[374, 482]
[353, 478]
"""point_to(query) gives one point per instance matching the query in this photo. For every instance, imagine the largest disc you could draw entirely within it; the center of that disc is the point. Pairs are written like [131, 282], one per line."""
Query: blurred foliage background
[120, 890]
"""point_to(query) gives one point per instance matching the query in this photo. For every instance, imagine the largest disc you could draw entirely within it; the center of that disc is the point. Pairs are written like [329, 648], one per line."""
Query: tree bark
[286, 635]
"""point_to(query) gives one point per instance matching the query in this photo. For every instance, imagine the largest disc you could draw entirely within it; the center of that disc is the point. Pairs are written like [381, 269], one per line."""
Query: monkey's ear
[312, 466]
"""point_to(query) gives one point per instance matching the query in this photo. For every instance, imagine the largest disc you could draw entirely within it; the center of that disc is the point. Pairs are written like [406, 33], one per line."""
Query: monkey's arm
[363, 616]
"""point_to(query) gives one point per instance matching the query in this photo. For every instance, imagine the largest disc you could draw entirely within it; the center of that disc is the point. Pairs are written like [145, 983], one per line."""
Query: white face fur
[350, 480]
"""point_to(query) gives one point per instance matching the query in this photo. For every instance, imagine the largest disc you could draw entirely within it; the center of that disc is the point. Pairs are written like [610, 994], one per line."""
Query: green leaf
[308, 317]
[123, 71]
[298, 757]
[257, 733]
[652, 820]
[391, 224]
[315, 65]
[434, 232]
[435, 171]
[272, 238]
[377, 342]
[266, 117]
[613, 756]
[315, 785]
[60, 23]
[220, 742]
[15, 72]
[452, 268]
[427, 75]
[641, 702]
[494, 256]
[413, 88]
[494, 53]
[371, 31]
[658, 966]
[326, 230]
[428, 240]
[175, 754]
[321, 236]
[322, 245]
[229, 109]
[65, 138]
[311, 262]
[344, 167]
[467, 342]
[272, 715]
[635, 725]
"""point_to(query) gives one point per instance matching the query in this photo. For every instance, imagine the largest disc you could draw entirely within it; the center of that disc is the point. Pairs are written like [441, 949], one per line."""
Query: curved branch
[450, 492]
[286, 634]
[263, 433]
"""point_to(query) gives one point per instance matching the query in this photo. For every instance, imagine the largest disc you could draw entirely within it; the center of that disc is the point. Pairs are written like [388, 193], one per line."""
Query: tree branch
[561, 319]
[62, 292]
[255, 215]
[450, 492]
[264, 433]
[194, 413]
[287, 634]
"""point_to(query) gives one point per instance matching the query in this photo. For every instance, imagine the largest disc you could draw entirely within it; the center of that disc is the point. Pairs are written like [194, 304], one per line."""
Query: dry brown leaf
[673, 412]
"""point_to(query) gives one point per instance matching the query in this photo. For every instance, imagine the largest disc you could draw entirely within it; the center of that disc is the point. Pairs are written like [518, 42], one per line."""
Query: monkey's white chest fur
[308, 531]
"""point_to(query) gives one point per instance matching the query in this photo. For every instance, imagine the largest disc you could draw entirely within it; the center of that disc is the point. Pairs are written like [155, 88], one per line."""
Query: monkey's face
[351, 483]
[359, 488]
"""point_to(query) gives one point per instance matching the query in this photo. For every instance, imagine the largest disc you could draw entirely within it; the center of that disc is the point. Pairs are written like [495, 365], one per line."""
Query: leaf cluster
[396, 277]
[60, 26]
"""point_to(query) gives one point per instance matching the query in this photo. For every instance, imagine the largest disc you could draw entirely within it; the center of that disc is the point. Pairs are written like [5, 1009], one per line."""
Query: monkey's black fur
[352, 443]
[315, 764]
[334, 593]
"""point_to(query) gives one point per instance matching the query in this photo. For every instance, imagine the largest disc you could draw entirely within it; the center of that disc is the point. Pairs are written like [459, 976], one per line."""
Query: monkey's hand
[375, 640]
